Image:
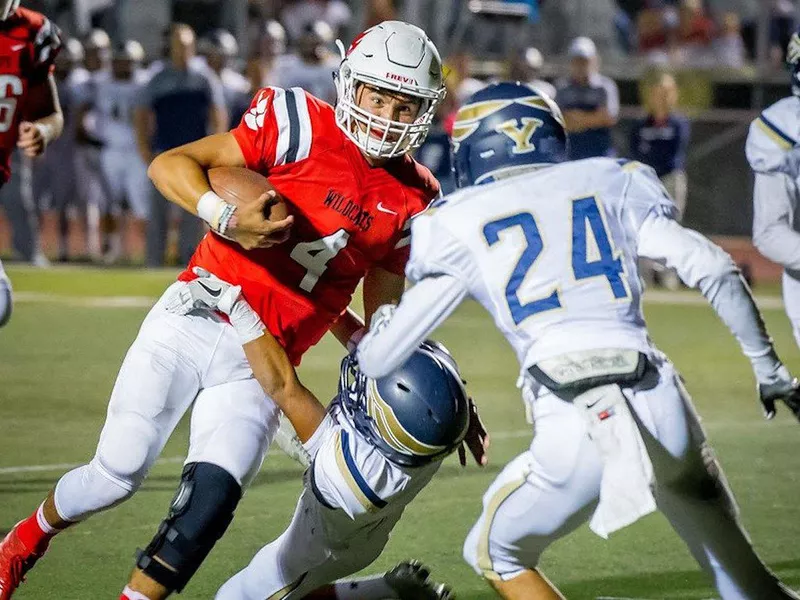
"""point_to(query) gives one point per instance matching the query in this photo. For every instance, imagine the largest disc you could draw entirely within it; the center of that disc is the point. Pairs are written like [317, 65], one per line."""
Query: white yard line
[651, 297]
[68, 466]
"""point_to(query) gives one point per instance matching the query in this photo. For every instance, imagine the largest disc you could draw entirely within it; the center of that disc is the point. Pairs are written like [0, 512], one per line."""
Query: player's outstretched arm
[46, 123]
[702, 264]
[271, 366]
[273, 370]
[396, 332]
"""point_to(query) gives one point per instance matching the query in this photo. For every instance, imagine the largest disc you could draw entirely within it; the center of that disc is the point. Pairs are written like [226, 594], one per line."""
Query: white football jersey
[551, 254]
[772, 135]
[114, 103]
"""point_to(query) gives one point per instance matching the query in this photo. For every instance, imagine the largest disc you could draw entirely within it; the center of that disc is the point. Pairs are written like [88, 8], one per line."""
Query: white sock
[43, 524]
[133, 594]
[365, 588]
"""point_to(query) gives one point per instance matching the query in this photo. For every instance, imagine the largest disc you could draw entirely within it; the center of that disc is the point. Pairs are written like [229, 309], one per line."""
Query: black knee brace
[198, 516]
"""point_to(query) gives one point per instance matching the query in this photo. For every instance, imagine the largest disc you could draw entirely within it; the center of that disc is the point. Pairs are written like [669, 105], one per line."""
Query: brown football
[240, 186]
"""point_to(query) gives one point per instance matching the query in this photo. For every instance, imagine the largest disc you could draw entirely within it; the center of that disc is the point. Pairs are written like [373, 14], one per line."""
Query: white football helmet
[7, 7]
[394, 56]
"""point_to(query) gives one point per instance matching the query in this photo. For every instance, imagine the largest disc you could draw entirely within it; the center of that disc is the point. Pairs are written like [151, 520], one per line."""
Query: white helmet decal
[397, 57]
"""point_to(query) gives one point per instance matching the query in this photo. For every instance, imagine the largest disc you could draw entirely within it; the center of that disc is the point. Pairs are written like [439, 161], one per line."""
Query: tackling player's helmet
[393, 56]
[793, 61]
[7, 8]
[503, 129]
[417, 414]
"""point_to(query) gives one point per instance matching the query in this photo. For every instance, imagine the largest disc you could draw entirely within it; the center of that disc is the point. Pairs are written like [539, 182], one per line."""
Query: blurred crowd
[90, 191]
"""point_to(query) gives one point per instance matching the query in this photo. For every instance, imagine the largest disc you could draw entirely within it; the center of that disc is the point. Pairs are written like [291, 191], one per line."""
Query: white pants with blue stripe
[552, 488]
[351, 501]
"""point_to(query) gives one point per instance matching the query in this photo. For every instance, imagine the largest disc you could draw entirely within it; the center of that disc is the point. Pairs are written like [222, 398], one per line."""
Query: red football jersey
[29, 43]
[349, 217]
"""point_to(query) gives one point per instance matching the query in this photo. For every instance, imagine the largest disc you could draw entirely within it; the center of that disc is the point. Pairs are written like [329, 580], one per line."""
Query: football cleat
[16, 559]
[410, 581]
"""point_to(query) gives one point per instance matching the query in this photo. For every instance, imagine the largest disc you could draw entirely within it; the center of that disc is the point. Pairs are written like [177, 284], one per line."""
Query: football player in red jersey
[352, 188]
[30, 116]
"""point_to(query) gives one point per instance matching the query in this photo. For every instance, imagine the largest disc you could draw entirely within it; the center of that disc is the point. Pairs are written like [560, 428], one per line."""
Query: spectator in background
[297, 15]
[312, 67]
[88, 172]
[181, 103]
[220, 49]
[729, 46]
[655, 29]
[54, 175]
[660, 140]
[526, 67]
[695, 34]
[270, 52]
[123, 169]
[589, 102]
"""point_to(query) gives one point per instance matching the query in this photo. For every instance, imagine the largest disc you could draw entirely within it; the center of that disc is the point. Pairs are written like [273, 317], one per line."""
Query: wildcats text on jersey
[360, 217]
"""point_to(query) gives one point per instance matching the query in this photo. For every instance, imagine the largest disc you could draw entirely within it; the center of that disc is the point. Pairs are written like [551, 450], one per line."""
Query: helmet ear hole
[403, 387]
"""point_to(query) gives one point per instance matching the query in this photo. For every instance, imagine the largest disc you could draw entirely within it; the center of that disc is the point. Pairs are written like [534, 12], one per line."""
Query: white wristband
[215, 211]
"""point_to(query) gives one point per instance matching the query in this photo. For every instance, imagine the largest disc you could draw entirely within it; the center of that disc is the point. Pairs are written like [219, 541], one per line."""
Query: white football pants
[175, 361]
[791, 300]
[552, 488]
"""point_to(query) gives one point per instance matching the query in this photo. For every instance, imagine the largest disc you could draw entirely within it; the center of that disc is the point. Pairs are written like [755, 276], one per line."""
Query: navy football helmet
[414, 416]
[503, 129]
[793, 61]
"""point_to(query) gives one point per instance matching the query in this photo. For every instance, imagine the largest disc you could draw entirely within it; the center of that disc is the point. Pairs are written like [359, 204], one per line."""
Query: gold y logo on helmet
[521, 132]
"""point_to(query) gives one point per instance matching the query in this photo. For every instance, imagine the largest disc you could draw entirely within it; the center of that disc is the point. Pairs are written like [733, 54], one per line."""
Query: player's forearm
[179, 178]
[381, 287]
[423, 308]
[180, 173]
[277, 377]
[346, 327]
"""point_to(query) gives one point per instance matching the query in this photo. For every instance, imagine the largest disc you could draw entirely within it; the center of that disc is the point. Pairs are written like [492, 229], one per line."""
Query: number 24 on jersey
[587, 220]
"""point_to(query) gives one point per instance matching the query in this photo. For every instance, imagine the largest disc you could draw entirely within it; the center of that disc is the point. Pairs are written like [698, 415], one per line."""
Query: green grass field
[61, 351]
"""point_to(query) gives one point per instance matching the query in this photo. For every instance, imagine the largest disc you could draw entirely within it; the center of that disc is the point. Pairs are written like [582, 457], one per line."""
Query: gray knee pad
[200, 513]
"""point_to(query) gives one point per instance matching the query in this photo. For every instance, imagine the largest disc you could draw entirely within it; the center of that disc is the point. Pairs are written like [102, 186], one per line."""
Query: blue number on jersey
[585, 210]
[533, 247]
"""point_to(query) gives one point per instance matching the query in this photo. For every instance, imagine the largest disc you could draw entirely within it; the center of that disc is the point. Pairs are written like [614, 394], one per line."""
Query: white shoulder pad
[435, 250]
[772, 135]
[644, 195]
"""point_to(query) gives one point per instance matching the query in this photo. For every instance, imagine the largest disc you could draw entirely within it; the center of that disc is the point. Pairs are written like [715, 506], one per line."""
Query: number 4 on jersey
[586, 217]
[314, 256]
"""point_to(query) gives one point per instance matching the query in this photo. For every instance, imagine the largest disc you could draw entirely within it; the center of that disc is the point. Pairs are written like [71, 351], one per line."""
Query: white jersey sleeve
[772, 135]
[704, 265]
[775, 219]
[644, 195]
[350, 474]
[434, 248]
[776, 163]
[439, 266]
